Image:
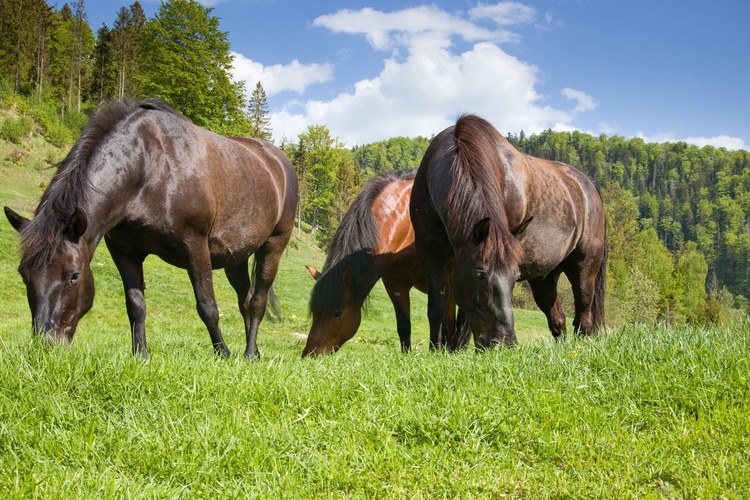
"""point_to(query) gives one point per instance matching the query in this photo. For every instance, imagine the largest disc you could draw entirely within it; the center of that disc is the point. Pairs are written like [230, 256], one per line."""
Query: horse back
[188, 182]
[565, 214]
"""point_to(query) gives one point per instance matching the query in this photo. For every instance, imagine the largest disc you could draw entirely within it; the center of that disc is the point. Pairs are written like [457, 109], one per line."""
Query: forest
[678, 215]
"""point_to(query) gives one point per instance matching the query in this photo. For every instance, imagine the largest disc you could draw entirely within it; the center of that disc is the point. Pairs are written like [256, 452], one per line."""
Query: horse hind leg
[546, 298]
[239, 277]
[267, 259]
[583, 295]
[200, 273]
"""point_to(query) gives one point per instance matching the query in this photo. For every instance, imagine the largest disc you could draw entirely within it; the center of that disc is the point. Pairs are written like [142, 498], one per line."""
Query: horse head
[484, 291]
[336, 318]
[59, 282]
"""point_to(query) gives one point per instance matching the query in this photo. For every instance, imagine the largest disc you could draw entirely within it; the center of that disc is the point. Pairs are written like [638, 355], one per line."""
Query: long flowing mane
[41, 237]
[352, 248]
[476, 190]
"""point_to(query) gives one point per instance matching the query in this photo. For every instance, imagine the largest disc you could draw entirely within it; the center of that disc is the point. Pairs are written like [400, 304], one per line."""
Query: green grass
[640, 412]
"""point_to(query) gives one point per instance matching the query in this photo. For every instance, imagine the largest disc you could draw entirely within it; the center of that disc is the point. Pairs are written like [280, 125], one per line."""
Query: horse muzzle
[53, 335]
[501, 337]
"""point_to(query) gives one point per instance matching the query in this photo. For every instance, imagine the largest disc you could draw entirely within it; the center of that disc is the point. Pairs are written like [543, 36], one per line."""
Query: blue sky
[663, 70]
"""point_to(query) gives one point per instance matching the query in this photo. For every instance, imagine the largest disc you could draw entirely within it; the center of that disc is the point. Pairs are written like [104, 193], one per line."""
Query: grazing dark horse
[374, 240]
[486, 216]
[150, 182]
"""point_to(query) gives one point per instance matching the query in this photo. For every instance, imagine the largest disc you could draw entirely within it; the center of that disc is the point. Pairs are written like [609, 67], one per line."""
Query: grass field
[640, 412]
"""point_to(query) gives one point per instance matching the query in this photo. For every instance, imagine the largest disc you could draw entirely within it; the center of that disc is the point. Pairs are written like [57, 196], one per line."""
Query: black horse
[486, 216]
[150, 182]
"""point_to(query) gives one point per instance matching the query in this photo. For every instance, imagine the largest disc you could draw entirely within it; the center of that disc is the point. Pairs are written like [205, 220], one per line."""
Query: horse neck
[107, 197]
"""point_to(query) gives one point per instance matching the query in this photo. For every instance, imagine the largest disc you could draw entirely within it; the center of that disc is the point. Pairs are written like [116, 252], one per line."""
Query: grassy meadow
[639, 412]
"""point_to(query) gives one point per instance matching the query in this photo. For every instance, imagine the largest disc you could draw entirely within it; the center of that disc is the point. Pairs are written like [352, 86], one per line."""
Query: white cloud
[384, 30]
[425, 83]
[277, 78]
[719, 141]
[584, 101]
[504, 13]
[426, 92]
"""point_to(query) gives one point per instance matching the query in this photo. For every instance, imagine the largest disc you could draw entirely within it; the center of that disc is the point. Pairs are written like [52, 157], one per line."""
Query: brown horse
[150, 182]
[374, 240]
[486, 216]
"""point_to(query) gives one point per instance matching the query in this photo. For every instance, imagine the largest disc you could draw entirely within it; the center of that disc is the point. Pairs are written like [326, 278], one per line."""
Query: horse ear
[76, 226]
[313, 272]
[16, 220]
[347, 278]
[481, 230]
[523, 225]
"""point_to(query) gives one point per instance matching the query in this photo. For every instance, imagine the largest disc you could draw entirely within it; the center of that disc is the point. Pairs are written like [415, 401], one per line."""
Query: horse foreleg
[131, 271]
[448, 332]
[463, 333]
[200, 273]
[399, 295]
[546, 298]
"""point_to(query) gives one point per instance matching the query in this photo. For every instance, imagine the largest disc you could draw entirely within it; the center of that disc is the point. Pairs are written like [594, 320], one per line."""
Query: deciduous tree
[187, 62]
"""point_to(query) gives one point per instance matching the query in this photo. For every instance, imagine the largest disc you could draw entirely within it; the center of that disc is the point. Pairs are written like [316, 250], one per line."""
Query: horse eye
[74, 279]
[23, 278]
[338, 315]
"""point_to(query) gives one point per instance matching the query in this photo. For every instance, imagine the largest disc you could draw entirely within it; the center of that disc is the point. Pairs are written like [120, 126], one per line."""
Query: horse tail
[597, 306]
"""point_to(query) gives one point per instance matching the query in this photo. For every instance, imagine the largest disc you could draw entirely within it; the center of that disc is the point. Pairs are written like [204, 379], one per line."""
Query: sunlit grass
[644, 412]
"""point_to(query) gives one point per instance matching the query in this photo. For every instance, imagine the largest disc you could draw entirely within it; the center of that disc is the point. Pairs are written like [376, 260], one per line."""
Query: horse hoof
[252, 355]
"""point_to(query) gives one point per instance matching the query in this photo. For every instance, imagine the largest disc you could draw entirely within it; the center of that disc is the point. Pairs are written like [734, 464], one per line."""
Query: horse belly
[544, 250]
[232, 242]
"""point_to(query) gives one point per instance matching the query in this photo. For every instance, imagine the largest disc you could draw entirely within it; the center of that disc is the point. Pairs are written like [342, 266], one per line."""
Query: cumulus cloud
[385, 30]
[425, 82]
[295, 76]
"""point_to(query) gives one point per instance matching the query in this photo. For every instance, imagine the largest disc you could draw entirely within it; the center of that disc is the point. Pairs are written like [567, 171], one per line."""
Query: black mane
[352, 247]
[476, 190]
[68, 189]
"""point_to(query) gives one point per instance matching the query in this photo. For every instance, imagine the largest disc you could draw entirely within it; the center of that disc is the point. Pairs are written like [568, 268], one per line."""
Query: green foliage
[186, 61]
[328, 178]
[15, 129]
[59, 135]
[397, 153]
[683, 192]
[258, 110]
[691, 270]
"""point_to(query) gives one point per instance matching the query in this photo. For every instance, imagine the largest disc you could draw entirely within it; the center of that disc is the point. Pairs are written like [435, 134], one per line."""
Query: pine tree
[258, 109]
[126, 38]
[103, 82]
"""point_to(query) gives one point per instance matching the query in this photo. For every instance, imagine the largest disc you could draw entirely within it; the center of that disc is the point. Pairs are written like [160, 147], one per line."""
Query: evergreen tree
[103, 81]
[126, 38]
[186, 61]
[19, 39]
[258, 108]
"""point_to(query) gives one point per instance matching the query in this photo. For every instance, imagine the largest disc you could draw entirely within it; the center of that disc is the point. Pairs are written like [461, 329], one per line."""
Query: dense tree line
[180, 55]
[678, 218]
[682, 192]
